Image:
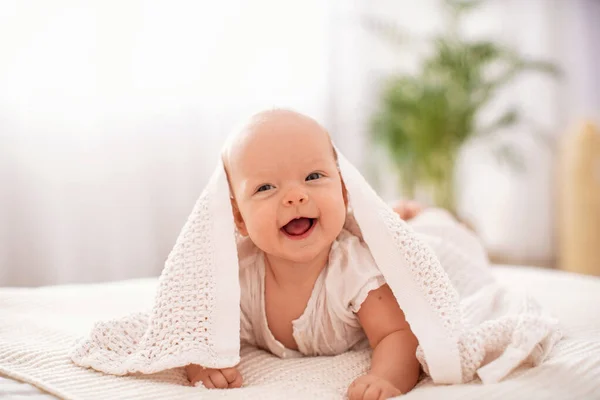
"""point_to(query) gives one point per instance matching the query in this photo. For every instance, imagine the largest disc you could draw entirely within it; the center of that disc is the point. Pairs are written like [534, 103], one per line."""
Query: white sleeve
[353, 272]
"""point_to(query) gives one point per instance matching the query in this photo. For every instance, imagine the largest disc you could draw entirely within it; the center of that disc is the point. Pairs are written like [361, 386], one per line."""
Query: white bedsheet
[37, 327]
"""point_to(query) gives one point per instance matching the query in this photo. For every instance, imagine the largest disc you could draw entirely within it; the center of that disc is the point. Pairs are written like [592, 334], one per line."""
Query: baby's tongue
[297, 226]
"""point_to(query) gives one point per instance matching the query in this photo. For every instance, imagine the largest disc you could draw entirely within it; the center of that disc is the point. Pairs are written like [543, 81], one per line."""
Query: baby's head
[287, 191]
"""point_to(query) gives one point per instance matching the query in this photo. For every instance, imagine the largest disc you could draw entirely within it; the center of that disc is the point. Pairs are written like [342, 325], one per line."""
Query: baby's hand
[214, 378]
[371, 387]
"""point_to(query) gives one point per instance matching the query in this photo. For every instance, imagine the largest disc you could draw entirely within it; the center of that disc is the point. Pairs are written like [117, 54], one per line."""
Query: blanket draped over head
[465, 322]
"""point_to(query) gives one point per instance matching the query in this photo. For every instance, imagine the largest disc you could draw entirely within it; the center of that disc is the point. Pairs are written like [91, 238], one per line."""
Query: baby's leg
[459, 250]
[409, 209]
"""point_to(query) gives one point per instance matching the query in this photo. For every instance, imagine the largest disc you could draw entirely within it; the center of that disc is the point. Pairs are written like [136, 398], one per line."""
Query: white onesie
[329, 324]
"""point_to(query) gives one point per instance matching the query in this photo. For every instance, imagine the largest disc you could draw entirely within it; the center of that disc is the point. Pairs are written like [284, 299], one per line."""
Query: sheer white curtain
[112, 114]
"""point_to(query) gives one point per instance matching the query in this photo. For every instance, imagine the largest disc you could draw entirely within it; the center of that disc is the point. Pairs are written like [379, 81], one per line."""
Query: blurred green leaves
[425, 118]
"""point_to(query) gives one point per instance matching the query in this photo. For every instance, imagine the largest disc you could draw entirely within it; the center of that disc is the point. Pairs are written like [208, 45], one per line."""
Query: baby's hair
[244, 123]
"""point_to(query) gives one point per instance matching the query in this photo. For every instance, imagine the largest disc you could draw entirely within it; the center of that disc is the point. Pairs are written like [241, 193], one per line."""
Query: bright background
[112, 114]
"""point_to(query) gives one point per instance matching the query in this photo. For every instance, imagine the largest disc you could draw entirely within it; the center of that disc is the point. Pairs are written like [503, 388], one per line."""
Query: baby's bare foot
[408, 209]
[226, 378]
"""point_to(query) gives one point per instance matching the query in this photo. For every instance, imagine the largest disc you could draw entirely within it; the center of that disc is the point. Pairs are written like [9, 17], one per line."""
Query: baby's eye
[264, 188]
[313, 176]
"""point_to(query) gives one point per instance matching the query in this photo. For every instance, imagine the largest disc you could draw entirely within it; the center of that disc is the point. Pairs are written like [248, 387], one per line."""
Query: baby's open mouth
[299, 226]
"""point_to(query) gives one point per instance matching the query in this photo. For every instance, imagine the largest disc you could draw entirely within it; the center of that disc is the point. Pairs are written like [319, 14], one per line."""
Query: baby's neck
[291, 274]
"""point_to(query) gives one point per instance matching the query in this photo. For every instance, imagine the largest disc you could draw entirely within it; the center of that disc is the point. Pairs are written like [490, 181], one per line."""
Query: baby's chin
[305, 256]
[312, 251]
[300, 254]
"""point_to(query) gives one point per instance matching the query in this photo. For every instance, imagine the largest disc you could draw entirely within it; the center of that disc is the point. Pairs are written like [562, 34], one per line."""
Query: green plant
[424, 119]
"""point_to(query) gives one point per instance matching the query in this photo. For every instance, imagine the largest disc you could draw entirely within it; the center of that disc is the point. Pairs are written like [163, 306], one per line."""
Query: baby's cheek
[334, 214]
[261, 229]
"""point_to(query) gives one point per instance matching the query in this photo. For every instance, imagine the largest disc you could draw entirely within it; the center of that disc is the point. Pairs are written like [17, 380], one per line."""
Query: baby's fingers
[218, 379]
[356, 391]
[233, 376]
[237, 382]
[206, 382]
[373, 392]
[194, 373]
[388, 393]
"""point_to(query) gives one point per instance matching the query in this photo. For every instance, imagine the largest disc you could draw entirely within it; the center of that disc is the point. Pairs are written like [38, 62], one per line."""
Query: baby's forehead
[264, 134]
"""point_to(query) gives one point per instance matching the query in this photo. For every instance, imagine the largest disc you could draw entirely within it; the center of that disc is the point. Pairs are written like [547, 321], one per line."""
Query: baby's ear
[237, 218]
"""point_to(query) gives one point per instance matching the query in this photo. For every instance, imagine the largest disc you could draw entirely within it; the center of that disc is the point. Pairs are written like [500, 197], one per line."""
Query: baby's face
[287, 188]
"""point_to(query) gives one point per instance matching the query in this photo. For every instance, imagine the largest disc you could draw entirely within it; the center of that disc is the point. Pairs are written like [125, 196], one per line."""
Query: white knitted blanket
[38, 327]
[466, 324]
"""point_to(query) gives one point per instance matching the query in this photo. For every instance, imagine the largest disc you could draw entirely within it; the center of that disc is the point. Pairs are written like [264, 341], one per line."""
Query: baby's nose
[295, 197]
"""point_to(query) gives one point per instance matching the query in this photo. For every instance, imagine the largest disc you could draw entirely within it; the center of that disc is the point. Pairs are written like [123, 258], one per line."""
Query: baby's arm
[394, 367]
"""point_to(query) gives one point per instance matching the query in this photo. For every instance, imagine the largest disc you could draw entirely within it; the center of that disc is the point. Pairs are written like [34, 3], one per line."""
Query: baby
[308, 287]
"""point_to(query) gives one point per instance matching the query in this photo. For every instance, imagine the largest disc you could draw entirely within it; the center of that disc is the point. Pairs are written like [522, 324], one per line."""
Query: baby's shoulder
[349, 248]
[351, 273]
[350, 256]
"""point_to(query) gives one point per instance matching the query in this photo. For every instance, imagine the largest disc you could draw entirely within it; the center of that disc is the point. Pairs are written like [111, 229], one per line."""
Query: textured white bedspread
[38, 327]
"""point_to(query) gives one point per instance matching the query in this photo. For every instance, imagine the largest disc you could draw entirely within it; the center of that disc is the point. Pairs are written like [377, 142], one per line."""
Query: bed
[38, 326]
